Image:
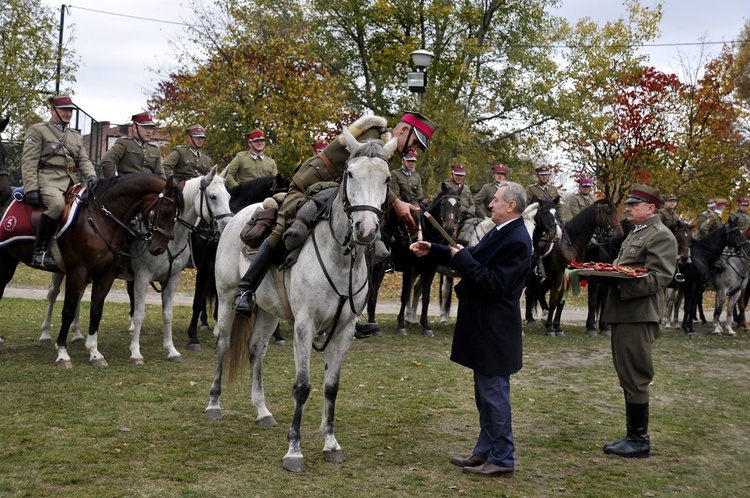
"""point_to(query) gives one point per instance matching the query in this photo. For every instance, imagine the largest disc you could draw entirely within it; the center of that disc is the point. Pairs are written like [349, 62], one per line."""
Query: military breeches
[631, 354]
[53, 200]
[292, 202]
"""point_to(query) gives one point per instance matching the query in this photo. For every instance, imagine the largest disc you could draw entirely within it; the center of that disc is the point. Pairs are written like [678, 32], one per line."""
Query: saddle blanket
[16, 226]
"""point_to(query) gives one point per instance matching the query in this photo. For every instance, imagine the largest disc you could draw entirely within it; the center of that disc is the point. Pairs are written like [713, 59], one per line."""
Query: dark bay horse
[93, 245]
[577, 234]
[704, 253]
[205, 239]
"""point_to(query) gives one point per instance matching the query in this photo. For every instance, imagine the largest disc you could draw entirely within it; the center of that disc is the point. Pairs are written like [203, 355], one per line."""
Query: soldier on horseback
[413, 131]
[53, 159]
[188, 161]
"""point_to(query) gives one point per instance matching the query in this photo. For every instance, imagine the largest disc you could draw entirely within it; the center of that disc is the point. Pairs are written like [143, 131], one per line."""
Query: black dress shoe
[488, 469]
[471, 461]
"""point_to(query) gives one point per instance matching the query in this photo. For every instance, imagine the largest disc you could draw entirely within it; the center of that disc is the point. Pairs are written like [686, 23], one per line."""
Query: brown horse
[91, 248]
[601, 214]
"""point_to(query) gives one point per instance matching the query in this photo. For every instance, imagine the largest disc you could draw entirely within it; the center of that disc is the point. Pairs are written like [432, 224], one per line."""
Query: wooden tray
[600, 273]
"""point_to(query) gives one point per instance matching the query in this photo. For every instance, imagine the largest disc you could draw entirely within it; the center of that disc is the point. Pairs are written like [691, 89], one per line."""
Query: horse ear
[390, 147]
[223, 173]
[4, 123]
[210, 175]
[351, 142]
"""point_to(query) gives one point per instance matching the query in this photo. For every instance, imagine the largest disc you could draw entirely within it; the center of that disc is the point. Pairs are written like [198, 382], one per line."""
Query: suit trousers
[495, 441]
[631, 354]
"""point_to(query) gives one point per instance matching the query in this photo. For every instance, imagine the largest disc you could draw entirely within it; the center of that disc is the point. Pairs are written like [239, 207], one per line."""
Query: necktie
[488, 237]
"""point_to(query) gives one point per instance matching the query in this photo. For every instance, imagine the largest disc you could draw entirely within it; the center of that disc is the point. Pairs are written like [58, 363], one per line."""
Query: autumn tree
[741, 67]
[249, 66]
[28, 60]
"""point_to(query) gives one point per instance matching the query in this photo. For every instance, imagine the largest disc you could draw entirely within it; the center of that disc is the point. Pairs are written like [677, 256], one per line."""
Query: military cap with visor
[256, 135]
[644, 193]
[500, 169]
[143, 119]
[458, 169]
[62, 102]
[196, 131]
[422, 126]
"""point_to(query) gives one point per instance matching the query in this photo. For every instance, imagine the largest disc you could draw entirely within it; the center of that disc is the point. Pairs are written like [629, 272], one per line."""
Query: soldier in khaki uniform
[667, 214]
[710, 219]
[134, 154]
[456, 182]
[634, 309]
[485, 195]
[542, 190]
[740, 217]
[406, 183]
[53, 159]
[583, 199]
[188, 161]
[252, 163]
[413, 131]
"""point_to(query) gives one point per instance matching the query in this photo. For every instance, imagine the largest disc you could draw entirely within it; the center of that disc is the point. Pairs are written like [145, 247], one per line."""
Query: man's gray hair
[514, 192]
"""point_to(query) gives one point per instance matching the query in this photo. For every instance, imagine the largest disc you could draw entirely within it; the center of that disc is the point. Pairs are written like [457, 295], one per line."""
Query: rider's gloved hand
[91, 182]
[33, 198]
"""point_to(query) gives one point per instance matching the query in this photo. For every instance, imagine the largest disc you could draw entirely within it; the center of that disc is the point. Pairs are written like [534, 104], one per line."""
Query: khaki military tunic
[483, 198]
[185, 163]
[316, 170]
[669, 217]
[636, 306]
[740, 219]
[708, 221]
[53, 158]
[536, 193]
[577, 203]
[467, 201]
[130, 155]
[245, 167]
[406, 186]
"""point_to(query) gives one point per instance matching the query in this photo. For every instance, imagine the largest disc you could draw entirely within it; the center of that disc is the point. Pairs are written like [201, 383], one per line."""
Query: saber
[440, 229]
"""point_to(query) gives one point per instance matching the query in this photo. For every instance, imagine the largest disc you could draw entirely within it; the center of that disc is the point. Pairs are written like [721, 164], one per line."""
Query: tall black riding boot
[636, 443]
[45, 230]
[244, 301]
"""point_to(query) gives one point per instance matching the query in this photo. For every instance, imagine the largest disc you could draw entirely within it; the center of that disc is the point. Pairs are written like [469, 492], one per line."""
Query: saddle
[19, 221]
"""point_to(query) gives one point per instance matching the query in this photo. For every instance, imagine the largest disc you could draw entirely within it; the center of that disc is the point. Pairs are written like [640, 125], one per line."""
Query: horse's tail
[239, 347]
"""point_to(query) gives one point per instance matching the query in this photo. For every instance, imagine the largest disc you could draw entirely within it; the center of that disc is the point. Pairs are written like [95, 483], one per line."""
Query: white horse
[325, 291]
[728, 283]
[205, 198]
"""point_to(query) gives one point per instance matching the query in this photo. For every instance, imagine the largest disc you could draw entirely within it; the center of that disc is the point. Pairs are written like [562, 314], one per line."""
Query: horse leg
[411, 306]
[687, 318]
[406, 282]
[733, 298]
[222, 331]
[446, 295]
[8, 265]
[167, 315]
[593, 295]
[718, 308]
[294, 459]
[264, 326]
[139, 288]
[99, 291]
[52, 292]
[670, 297]
[334, 360]
[427, 279]
[199, 307]
[130, 284]
[741, 307]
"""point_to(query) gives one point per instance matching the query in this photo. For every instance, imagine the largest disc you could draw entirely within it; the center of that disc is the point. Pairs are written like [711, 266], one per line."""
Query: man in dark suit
[488, 334]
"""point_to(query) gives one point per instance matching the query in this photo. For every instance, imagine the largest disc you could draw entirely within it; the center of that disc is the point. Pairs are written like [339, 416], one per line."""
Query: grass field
[403, 409]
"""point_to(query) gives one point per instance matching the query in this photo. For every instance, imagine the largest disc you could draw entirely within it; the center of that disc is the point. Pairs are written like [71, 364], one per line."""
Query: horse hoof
[79, 339]
[204, 328]
[268, 421]
[45, 342]
[294, 464]
[428, 333]
[530, 321]
[99, 362]
[334, 456]
[64, 363]
[412, 322]
[400, 331]
[176, 359]
[551, 333]
[606, 333]
[213, 414]
[194, 348]
[591, 333]
[137, 361]
[560, 333]
[443, 321]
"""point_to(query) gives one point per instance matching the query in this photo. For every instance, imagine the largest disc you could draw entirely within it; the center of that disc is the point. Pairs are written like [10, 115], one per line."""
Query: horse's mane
[584, 221]
[370, 148]
[253, 191]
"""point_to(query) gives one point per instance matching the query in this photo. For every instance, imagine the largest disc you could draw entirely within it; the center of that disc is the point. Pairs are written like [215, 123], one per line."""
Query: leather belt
[329, 166]
[70, 168]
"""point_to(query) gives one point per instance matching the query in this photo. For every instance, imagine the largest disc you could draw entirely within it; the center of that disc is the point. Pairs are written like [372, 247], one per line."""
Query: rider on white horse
[413, 131]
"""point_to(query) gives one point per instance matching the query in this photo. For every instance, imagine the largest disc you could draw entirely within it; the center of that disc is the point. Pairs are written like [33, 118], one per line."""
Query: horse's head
[607, 218]
[207, 198]
[446, 208]
[547, 219]
[160, 210]
[683, 233]
[364, 185]
[736, 237]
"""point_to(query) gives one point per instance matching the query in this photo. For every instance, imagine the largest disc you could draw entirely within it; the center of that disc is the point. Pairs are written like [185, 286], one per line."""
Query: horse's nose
[157, 251]
[365, 231]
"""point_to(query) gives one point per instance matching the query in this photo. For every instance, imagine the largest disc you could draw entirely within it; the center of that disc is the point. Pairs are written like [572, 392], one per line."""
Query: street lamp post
[417, 80]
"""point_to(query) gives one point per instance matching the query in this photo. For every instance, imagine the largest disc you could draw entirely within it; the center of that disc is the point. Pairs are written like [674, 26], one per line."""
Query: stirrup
[43, 261]
[244, 303]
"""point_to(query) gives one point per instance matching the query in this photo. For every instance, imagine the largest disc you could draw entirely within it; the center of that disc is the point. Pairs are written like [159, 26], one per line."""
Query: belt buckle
[71, 168]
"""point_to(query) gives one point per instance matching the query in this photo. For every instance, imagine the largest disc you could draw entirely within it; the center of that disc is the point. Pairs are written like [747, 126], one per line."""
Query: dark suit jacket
[488, 334]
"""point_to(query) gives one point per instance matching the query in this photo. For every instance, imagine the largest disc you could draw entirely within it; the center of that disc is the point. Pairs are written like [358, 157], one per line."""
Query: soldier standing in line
[583, 199]
[252, 163]
[710, 219]
[668, 214]
[740, 217]
[485, 195]
[189, 161]
[542, 190]
[53, 158]
[134, 154]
